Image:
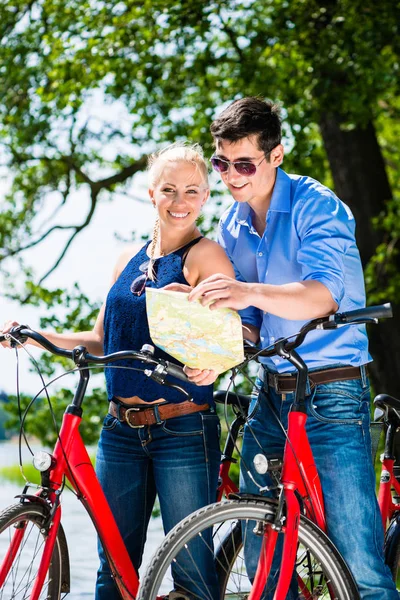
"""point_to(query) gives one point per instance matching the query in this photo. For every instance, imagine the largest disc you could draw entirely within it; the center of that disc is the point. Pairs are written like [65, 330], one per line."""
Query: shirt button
[260, 253]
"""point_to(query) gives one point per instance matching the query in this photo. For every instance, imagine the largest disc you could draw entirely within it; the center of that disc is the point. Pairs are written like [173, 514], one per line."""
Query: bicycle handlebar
[80, 356]
[360, 316]
[383, 311]
[370, 314]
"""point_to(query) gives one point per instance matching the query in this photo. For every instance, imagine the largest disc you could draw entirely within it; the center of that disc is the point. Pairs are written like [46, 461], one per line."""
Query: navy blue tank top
[126, 328]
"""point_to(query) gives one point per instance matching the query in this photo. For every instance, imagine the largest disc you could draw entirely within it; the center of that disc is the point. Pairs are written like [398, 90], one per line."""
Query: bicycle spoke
[23, 570]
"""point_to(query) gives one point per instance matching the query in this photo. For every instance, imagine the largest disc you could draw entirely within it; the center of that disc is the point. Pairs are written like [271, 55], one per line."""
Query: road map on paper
[193, 334]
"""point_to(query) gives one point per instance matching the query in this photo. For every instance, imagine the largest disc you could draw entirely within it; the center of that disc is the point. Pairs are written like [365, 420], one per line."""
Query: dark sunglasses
[243, 167]
[138, 285]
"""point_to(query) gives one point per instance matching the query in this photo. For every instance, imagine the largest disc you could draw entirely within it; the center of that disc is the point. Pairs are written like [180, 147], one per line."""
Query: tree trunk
[360, 179]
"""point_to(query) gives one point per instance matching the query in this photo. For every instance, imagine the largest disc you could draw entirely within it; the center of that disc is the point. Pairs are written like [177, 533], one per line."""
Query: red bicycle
[33, 547]
[296, 515]
[387, 413]
[34, 562]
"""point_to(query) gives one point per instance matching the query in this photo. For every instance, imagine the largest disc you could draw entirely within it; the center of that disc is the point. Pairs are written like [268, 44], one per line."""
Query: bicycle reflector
[42, 460]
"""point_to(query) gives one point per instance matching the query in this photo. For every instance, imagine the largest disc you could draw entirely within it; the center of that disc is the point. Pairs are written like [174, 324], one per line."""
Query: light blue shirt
[309, 235]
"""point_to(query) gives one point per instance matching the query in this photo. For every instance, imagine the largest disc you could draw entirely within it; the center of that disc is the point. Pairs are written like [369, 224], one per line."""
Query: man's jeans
[338, 431]
[179, 461]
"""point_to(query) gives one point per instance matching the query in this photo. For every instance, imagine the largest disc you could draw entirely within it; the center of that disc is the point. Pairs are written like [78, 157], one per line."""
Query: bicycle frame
[72, 460]
[388, 481]
[299, 480]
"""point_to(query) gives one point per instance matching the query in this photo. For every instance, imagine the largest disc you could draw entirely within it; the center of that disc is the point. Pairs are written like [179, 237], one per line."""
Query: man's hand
[221, 291]
[200, 377]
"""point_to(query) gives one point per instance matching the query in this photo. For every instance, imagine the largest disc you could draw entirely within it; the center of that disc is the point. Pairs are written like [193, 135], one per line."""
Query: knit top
[126, 328]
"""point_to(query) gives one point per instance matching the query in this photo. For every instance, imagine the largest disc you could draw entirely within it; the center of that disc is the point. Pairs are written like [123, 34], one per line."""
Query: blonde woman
[176, 457]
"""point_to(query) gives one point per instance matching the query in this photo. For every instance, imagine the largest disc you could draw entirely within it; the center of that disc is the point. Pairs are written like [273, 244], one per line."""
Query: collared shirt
[309, 235]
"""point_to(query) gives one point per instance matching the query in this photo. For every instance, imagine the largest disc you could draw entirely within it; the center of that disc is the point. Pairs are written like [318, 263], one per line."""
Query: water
[80, 533]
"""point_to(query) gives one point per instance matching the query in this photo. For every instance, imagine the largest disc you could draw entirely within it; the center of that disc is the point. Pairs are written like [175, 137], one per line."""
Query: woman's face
[179, 195]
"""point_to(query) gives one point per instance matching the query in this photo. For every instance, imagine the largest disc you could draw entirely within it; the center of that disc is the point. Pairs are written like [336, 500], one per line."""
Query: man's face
[257, 187]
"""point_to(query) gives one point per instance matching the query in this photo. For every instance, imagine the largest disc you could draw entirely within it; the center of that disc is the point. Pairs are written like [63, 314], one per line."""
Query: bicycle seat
[239, 400]
[384, 400]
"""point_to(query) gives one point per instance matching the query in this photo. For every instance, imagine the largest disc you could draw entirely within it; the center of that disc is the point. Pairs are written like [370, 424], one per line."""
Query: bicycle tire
[332, 567]
[21, 575]
[392, 549]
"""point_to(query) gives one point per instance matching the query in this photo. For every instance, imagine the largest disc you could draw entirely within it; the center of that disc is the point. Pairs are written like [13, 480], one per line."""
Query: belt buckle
[128, 410]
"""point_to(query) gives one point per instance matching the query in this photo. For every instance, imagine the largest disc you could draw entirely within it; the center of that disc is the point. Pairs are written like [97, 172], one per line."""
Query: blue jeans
[178, 460]
[338, 430]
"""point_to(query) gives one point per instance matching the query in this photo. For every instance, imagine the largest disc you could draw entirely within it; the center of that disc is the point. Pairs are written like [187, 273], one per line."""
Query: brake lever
[159, 374]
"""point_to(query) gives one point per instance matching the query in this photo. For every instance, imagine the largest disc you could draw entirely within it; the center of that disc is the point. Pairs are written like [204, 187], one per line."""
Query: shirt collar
[242, 213]
[281, 196]
[280, 200]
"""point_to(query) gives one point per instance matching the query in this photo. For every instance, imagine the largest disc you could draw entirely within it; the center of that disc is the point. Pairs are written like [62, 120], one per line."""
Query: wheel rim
[233, 581]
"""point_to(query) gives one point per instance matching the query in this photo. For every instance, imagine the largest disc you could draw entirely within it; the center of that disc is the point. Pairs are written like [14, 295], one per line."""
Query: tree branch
[233, 38]
[35, 242]
[78, 229]
[122, 176]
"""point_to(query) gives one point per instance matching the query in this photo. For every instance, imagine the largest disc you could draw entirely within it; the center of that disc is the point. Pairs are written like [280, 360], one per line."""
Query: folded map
[193, 334]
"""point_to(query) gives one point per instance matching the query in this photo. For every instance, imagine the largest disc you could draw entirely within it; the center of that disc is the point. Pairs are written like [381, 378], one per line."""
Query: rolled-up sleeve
[326, 229]
[250, 315]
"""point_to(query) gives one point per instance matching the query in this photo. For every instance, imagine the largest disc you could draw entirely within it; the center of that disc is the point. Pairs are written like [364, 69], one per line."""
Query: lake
[80, 533]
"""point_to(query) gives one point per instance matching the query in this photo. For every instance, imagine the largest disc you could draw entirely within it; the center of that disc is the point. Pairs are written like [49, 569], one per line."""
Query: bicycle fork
[47, 554]
[18, 539]
[288, 525]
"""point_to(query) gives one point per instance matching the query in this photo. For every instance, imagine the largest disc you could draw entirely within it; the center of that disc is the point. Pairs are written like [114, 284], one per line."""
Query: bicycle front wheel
[321, 571]
[21, 546]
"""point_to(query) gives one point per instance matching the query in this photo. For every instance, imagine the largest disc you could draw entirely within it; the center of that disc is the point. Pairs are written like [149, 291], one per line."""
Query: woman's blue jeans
[338, 430]
[178, 460]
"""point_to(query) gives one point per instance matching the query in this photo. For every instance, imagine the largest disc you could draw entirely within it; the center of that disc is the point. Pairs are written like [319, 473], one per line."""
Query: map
[193, 334]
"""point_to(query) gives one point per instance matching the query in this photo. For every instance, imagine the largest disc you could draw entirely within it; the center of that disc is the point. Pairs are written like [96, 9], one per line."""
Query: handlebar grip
[176, 371]
[383, 311]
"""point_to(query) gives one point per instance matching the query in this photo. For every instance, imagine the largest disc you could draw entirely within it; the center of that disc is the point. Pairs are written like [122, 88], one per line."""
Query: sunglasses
[138, 285]
[243, 167]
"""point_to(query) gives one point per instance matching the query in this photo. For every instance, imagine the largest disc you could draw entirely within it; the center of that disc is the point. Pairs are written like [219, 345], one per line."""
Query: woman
[176, 457]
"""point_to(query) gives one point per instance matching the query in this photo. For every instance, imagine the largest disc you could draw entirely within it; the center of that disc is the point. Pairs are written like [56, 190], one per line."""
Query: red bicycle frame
[299, 478]
[388, 481]
[72, 460]
[385, 497]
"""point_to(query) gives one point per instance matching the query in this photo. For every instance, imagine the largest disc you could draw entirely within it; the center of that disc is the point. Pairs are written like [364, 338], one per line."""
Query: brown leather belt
[136, 416]
[284, 384]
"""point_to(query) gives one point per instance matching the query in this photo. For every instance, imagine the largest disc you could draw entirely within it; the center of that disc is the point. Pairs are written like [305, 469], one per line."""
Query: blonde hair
[177, 152]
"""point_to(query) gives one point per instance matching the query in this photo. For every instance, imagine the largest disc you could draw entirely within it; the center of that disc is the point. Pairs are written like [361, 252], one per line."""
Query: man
[292, 244]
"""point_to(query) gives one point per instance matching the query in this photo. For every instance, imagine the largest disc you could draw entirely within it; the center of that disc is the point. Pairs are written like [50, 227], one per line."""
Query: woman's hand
[8, 325]
[200, 377]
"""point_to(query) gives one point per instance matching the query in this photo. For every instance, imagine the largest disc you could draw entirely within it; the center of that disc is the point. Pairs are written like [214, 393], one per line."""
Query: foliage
[382, 277]
[39, 420]
[89, 88]
[14, 474]
[163, 70]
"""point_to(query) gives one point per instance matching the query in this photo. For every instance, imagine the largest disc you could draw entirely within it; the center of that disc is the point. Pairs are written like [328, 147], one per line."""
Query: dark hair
[249, 116]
